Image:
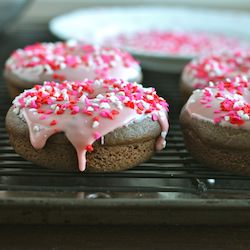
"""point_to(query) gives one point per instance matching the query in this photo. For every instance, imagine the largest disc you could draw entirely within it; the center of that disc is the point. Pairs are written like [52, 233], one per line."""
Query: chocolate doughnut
[216, 126]
[70, 61]
[213, 67]
[101, 125]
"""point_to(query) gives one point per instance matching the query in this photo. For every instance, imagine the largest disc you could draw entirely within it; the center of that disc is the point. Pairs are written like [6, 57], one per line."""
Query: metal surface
[171, 187]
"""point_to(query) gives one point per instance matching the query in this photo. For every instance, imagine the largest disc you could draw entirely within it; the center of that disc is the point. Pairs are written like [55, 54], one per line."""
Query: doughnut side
[186, 90]
[123, 148]
[15, 84]
[219, 147]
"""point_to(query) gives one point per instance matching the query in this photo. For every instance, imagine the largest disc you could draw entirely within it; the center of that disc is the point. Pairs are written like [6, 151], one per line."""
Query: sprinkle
[36, 128]
[164, 134]
[102, 140]
[95, 124]
[97, 135]
[89, 148]
[154, 117]
[16, 110]
[43, 117]
[53, 123]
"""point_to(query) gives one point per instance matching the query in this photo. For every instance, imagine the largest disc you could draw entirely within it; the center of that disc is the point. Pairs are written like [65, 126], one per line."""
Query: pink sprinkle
[49, 111]
[203, 101]
[217, 120]
[208, 106]
[154, 117]
[104, 114]
[76, 109]
[43, 117]
[217, 111]
[97, 135]
[87, 101]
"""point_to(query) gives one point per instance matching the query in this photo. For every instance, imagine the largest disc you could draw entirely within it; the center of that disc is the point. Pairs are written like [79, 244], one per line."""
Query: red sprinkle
[89, 148]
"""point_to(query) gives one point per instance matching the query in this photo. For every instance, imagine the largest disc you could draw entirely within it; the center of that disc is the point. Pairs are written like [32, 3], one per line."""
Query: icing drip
[226, 103]
[72, 61]
[87, 111]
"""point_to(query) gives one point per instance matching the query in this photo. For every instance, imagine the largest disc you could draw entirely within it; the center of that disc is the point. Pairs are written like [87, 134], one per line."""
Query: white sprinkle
[98, 83]
[164, 144]
[71, 43]
[16, 110]
[95, 124]
[112, 63]
[56, 109]
[36, 128]
[245, 117]
[164, 134]
[244, 78]
[238, 104]
[211, 84]
[99, 96]
[53, 106]
[240, 113]
[220, 98]
[226, 118]
[82, 98]
[121, 93]
[104, 105]
[192, 101]
[90, 109]
[119, 105]
[62, 65]
[207, 67]
[196, 91]
[102, 140]
[150, 97]
[113, 99]
[32, 110]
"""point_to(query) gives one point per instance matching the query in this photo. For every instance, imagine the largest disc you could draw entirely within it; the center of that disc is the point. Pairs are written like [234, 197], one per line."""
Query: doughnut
[216, 126]
[213, 67]
[70, 61]
[98, 125]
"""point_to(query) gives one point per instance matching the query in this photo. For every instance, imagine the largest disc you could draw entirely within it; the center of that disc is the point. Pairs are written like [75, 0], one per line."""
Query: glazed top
[177, 43]
[226, 103]
[86, 111]
[216, 67]
[71, 61]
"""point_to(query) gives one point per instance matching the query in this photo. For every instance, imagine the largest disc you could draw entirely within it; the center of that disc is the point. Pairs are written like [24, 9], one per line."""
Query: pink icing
[72, 61]
[183, 43]
[86, 111]
[216, 67]
[226, 103]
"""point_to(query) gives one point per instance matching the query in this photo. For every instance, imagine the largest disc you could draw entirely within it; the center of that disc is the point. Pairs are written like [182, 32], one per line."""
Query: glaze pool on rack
[122, 112]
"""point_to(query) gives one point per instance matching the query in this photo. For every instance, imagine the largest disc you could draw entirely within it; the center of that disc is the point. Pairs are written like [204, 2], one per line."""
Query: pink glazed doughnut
[101, 125]
[200, 71]
[70, 61]
[216, 125]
